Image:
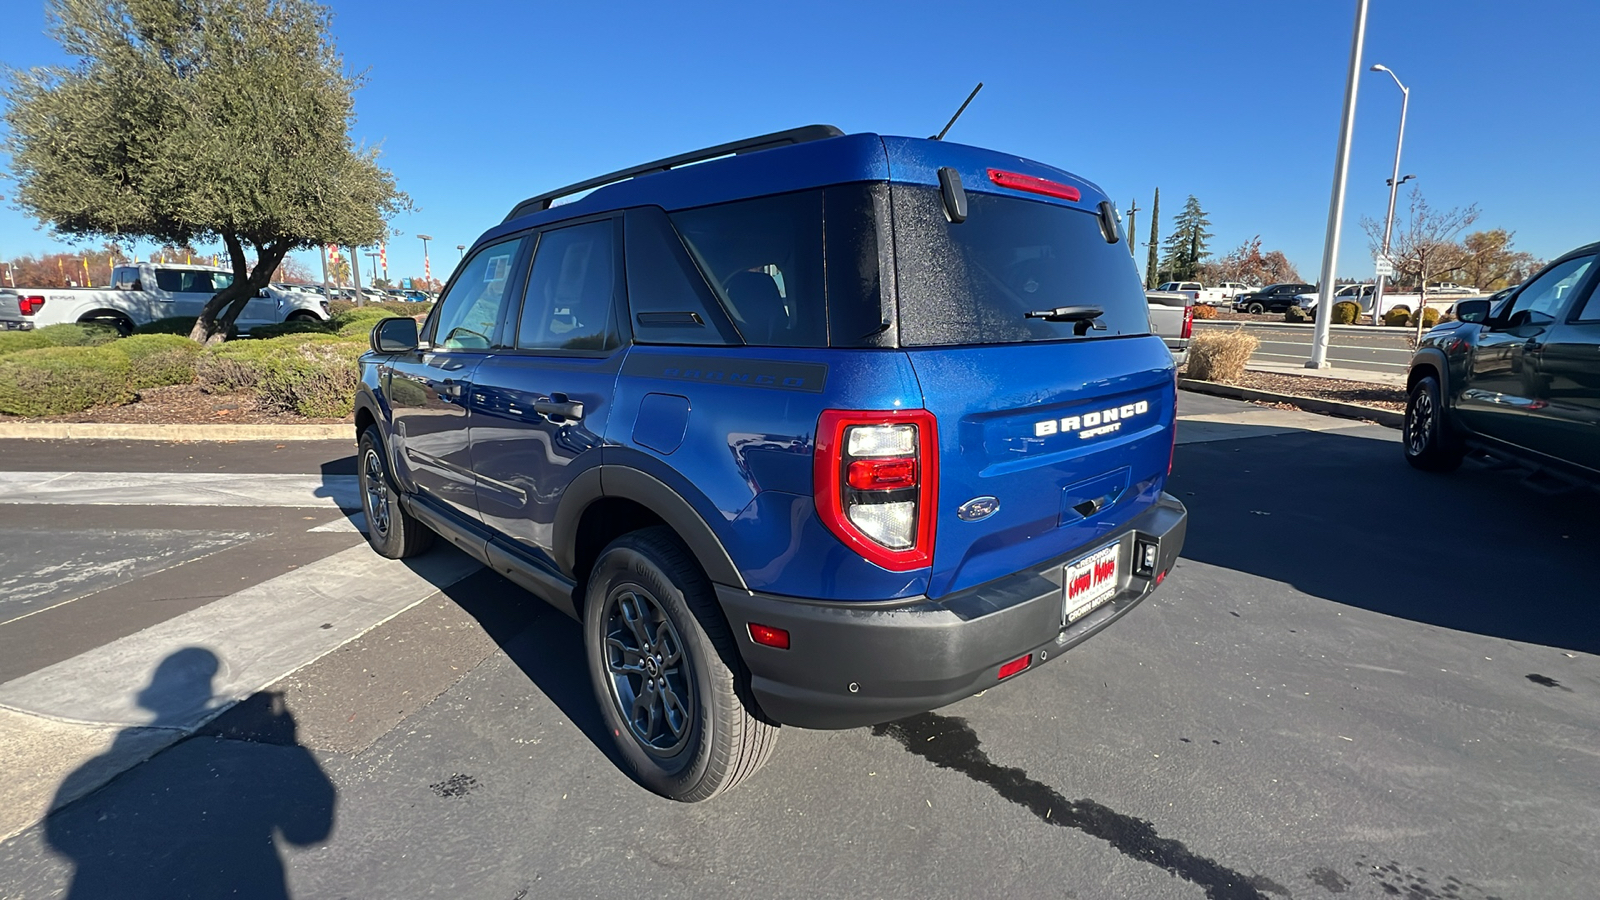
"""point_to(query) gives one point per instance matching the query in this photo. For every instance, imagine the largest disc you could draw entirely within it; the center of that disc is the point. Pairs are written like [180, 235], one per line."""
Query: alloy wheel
[376, 495]
[650, 680]
[1419, 423]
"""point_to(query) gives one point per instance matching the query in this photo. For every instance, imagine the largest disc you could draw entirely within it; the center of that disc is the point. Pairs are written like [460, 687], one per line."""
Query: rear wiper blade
[1068, 314]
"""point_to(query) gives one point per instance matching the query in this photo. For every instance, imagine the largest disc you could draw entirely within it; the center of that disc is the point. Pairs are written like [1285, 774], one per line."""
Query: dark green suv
[1515, 376]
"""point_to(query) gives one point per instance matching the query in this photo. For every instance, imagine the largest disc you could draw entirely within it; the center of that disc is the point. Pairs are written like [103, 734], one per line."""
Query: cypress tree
[1150, 273]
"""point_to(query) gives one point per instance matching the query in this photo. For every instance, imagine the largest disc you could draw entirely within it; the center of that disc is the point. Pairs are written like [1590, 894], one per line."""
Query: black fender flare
[1432, 358]
[626, 482]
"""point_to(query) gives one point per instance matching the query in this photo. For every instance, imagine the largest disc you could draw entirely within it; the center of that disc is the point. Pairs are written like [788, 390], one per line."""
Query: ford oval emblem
[978, 508]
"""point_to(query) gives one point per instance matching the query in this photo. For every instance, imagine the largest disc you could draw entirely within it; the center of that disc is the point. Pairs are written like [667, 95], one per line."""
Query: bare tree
[1424, 244]
[1488, 263]
[1247, 263]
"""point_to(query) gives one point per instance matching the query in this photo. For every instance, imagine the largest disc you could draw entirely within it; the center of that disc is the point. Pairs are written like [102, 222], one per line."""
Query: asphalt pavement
[1366, 349]
[1360, 681]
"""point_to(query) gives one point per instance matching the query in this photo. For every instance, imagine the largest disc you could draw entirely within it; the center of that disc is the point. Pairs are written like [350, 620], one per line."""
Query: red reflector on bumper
[768, 636]
[1015, 666]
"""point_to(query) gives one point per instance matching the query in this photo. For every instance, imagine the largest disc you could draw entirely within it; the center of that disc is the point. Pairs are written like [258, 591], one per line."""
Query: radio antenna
[940, 135]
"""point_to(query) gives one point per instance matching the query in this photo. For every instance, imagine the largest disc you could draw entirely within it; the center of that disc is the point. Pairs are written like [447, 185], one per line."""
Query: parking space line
[179, 489]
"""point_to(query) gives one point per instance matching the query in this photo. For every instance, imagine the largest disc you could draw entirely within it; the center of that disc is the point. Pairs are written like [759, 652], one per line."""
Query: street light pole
[373, 255]
[427, 269]
[1341, 171]
[461, 252]
[1133, 218]
[1394, 186]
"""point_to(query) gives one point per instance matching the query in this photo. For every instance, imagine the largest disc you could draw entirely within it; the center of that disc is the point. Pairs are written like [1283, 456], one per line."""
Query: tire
[1256, 308]
[121, 323]
[391, 530]
[302, 317]
[660, 651]
[1426, 440]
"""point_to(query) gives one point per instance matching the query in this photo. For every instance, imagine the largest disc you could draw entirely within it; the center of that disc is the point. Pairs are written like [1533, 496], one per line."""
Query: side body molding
[624, 482]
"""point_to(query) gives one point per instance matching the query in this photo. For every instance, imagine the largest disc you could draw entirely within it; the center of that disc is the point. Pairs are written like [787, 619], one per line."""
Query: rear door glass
[975, 282]
[571, 292]
[763, 258]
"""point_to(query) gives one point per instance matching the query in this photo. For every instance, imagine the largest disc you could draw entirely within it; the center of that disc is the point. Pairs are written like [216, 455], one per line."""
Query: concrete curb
[1309, 404]
[104, 431]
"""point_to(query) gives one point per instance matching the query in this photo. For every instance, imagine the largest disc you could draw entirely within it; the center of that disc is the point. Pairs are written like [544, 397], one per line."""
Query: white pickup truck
[144, 292]
[1199, 293]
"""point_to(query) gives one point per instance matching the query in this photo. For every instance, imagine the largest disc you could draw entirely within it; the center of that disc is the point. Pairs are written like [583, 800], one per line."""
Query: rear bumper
[854, 664]
[15, 325]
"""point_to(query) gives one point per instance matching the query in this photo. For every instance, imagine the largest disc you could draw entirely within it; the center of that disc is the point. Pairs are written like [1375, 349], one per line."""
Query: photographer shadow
[206, 817]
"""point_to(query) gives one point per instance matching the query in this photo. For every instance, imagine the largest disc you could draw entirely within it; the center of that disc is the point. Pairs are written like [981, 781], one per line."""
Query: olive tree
[198, 120]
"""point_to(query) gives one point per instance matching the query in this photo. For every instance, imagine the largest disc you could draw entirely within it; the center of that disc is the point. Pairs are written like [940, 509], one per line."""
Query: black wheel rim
[1419, 423]
[651, 684]
[375, 493]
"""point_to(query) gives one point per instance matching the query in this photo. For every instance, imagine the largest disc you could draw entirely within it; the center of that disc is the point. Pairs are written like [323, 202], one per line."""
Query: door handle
[450, 388]
[558, 406]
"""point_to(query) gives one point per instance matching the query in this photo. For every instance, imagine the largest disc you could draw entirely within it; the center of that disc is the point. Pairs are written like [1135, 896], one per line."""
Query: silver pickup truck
[1172, 317]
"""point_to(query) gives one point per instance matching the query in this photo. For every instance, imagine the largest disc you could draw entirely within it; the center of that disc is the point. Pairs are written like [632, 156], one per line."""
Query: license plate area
[1088, 583]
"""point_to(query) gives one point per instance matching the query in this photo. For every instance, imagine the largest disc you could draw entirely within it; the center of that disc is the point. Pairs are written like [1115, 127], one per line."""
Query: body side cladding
[631, 484]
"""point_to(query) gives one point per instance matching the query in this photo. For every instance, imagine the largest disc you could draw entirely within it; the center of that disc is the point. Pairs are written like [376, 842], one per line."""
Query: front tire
[666, 672]
[1256, 308]
[391, 530]
[1427, 441]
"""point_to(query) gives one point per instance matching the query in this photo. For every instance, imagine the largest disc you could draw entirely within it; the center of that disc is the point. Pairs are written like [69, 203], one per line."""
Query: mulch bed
[185, 404]
[1381, 396]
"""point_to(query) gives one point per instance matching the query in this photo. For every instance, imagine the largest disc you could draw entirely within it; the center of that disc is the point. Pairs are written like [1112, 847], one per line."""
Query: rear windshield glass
[975, 282]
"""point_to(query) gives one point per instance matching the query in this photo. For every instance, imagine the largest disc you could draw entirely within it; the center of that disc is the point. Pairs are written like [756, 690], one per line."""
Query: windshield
[975, 282]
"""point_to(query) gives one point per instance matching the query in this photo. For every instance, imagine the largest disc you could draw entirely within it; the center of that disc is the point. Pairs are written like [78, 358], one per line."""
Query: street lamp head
[1378, 67]
[425, 237]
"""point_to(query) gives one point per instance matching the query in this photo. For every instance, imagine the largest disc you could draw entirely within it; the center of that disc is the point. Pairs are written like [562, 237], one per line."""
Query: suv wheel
[391, 530]
[1426, 440]
[1257, 308]
[666, 671]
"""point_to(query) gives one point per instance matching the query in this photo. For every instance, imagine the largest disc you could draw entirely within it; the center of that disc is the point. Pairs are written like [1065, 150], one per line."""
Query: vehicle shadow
[206, 817]
[1346, 519]
[542, 642]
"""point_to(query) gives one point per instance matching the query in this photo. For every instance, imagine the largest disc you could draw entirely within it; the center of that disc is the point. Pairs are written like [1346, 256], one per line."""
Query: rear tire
[391, 530]
[666, 672]
[121, 323]
[1426, 440]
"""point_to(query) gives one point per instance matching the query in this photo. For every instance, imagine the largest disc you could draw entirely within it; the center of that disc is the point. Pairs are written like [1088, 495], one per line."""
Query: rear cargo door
[1065, 420]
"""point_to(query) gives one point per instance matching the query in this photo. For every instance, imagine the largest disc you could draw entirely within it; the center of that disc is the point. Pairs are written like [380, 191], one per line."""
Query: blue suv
[811, 429]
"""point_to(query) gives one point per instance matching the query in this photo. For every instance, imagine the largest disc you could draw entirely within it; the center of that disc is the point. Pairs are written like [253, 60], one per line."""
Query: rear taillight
[877, 483]
[30, 305]
[1188, 320]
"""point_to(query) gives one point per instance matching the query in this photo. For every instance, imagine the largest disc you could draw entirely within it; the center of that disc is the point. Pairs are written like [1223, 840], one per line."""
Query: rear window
[975, 282]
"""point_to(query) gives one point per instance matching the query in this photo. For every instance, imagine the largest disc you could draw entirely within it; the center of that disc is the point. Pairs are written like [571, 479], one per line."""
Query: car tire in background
[1426, 440]
[666, 672]
[392, 532]
[1256, 308]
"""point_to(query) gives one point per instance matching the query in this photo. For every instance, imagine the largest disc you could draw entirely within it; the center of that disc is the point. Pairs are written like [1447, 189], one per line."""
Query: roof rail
[747, 145]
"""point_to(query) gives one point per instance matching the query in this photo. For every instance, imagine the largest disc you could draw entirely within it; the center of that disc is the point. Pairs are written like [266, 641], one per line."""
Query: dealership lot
[1361, 680]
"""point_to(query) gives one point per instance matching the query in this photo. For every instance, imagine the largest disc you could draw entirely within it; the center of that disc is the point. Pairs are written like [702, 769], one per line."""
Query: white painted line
[256, 636]
[179, 489]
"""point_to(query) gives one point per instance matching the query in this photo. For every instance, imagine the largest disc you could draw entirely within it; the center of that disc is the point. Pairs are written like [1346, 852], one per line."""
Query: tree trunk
[217, 316]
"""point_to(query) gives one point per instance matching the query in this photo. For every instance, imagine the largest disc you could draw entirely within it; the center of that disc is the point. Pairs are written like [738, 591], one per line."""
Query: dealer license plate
[1089, 582]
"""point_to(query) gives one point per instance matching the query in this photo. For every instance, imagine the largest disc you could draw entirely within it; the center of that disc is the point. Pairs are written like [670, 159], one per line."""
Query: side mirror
[263, 293]
[1473, 311]
[396, 335]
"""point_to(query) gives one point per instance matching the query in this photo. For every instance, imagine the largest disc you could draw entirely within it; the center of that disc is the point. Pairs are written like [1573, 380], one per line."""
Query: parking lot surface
[1360, 681]
[1384, 350]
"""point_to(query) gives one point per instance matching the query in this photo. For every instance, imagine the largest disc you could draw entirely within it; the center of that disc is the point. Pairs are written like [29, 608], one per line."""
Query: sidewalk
[1391, 379]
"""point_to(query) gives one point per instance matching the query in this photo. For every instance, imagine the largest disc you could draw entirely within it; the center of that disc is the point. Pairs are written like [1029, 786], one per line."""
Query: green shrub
[1204, 311]
[297, 326]
[393, 308]
[1430, 318]
[157, 360]
[1346, 312]
[1216, 355]
[53, 381]
[359, 322]
[78, 335]
[180, 325]
[240, 365]
[1398, 316]
[14, 341]
[314, 378]
[1295, 314]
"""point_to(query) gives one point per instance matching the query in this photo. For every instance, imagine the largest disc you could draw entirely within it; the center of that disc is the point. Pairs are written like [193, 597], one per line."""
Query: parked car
[143, 292]
[1273, 297]
[1195, 291]
[1517, 377]
[1447, 287]
[877, 424]
[1172, 318]
[1232, 289]
[1356, 293]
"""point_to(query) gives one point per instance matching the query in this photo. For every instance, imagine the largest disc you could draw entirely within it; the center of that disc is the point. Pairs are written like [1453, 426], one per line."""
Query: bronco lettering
[1092, 424]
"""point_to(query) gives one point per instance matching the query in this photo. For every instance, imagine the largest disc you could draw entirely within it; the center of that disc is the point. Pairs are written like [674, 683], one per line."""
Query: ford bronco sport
[824, 430]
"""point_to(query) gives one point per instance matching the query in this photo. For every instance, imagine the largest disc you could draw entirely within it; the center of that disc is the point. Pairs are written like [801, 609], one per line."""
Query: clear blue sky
[477, 105]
